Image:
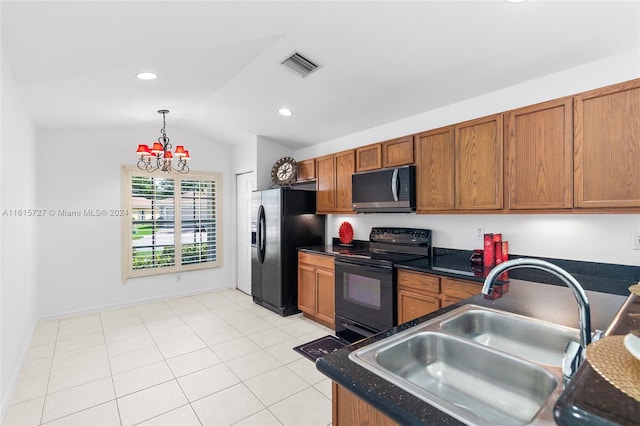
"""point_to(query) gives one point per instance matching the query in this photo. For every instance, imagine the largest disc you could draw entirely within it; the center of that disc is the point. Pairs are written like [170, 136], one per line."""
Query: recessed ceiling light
[285, 111]
[515, 1]
[147, 75]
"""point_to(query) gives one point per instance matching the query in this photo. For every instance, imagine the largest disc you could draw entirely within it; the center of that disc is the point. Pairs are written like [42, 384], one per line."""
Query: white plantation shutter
[152, 222]
[172, 223]
[198, 219]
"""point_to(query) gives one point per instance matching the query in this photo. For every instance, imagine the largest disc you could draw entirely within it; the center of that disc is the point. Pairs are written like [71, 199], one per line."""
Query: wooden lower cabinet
[349, 410]
[316, 288]
[420, 294]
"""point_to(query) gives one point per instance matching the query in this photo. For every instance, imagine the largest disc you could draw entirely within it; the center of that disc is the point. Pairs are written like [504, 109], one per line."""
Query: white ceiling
[219, 62]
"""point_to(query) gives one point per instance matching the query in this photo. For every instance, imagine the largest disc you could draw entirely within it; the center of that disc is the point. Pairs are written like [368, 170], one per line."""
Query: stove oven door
[365, 299]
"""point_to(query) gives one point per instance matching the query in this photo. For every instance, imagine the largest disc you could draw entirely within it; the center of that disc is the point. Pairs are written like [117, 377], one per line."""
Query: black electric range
[366, 287]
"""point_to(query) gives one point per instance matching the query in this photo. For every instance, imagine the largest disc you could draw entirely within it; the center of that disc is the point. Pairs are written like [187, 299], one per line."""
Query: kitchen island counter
[542, 301]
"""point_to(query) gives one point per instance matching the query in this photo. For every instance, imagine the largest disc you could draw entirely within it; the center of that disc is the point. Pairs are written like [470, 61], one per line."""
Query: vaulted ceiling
[219, 63]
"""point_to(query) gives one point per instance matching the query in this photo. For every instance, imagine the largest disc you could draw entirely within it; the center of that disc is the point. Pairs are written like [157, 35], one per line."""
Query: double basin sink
[479, 365]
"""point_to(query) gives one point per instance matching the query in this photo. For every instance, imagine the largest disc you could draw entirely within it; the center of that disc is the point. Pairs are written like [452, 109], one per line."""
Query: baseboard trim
[94, 309]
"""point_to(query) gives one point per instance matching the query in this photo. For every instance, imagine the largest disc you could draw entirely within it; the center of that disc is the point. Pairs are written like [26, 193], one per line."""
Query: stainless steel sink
[527, 338]
[477, 365]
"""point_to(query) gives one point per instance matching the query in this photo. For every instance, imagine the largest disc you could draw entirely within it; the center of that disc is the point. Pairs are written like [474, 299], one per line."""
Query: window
[172, 222]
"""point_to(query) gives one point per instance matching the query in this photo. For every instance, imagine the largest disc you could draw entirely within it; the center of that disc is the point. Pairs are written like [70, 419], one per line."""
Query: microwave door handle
[394, 184]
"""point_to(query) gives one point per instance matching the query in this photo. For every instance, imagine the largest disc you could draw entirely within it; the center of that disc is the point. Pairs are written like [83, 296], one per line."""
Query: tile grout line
[247, 335]
[174, 374]
[46, 391]
[113, 385]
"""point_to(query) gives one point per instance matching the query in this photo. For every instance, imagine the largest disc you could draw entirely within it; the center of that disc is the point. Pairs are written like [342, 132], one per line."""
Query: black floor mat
[319, 347]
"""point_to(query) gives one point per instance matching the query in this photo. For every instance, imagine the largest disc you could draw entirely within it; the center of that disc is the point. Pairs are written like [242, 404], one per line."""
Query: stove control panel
[407, 236]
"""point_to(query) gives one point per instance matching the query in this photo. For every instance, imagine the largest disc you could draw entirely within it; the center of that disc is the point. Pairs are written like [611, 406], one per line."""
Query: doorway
[245, 184]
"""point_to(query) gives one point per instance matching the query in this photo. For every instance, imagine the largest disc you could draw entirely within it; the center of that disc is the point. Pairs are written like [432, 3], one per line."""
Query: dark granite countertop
[546, 302]
[589, 399]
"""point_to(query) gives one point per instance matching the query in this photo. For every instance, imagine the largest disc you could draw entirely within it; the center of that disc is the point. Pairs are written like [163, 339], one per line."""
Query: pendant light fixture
[161, 152]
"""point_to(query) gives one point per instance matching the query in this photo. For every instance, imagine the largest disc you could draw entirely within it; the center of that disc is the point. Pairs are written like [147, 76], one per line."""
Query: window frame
[127, 175]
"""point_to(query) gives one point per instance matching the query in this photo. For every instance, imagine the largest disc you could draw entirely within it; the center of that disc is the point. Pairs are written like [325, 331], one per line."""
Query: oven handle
[363, 266]
[366, 332]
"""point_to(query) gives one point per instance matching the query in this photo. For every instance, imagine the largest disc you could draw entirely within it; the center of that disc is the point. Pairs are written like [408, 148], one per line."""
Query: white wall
[595, 238]
[19, 261]
[268, 152]
[245, 157]
[589, 237]
[79, 266]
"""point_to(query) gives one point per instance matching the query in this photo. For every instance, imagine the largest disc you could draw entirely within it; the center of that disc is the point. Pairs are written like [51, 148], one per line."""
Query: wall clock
[284, 171]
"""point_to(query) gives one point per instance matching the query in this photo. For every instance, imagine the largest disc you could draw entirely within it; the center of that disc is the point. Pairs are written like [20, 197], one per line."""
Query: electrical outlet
[479, 233]
[635, 241]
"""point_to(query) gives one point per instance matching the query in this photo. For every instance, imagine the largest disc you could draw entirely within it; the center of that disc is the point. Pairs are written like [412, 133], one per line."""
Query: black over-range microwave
[384, 191]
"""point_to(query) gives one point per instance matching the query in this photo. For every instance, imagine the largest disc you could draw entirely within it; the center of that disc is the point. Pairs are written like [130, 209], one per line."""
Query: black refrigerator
[283, 219]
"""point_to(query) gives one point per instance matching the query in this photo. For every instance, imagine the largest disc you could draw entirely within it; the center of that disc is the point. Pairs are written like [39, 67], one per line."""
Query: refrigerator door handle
[261, 234]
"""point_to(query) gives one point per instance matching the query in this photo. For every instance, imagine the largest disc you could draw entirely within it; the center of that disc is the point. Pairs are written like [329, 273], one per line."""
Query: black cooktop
[388, 246]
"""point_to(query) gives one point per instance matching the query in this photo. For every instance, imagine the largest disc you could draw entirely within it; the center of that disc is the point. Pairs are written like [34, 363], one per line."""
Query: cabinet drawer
[318, 260]
[456, 289]
[418, 282]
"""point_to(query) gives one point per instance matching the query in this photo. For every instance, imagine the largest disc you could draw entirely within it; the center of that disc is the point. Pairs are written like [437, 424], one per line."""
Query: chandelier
[161, 153]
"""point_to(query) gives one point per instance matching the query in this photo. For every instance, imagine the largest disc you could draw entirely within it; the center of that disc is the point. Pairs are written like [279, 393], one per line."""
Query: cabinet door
[345, 166]
[412, 305]
[348, 410]
[369, 157]
[326, 297]
[397, 152]
[607, 146]
[306, 170]
[539, 169]
[434, 170]
[325, 184]
[307, 289]
[478, 164]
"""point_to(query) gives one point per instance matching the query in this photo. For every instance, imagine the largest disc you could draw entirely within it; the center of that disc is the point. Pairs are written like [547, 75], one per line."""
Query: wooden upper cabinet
[325, 184]
[397, 152]
[478, 164]
[607, 146]
[333, 182]
[391, 153]
[369, 157]
[345, 166]
[435, 170]
[306, 170]
[539, 156]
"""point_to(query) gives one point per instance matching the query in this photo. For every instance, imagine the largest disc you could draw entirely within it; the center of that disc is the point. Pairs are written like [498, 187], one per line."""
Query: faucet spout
[564, 276]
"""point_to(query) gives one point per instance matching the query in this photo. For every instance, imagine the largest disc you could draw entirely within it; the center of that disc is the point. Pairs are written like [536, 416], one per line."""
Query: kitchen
[80, 281]
[365, 295]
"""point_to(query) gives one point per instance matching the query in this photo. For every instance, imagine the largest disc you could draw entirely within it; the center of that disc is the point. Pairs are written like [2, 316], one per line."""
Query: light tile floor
[209, 359]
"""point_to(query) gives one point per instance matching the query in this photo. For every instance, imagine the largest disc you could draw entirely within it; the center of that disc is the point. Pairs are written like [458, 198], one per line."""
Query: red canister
[489, 251]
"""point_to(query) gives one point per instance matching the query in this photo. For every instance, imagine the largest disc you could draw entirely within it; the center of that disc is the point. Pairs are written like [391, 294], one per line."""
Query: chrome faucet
[574, 354]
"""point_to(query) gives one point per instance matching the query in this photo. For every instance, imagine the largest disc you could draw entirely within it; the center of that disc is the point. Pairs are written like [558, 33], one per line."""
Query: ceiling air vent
[300, 65]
